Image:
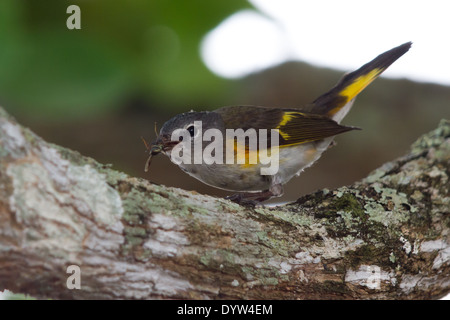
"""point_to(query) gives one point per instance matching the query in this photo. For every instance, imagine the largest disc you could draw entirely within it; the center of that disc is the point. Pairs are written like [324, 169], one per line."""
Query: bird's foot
[244, 199]
[255, 199]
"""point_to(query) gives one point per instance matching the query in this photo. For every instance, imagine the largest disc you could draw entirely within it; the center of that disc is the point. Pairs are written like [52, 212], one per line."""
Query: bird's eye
[180, 138]
[191, 130]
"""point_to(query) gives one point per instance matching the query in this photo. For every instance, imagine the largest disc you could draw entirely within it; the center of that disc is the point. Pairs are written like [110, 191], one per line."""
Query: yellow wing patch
[287, 117]
[299, 127]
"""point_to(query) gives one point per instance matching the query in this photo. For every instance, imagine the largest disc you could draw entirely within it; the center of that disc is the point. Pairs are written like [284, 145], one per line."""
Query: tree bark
[385, 237]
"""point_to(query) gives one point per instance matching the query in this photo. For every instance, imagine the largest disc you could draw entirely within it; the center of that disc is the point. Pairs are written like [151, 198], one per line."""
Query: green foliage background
[148, 48]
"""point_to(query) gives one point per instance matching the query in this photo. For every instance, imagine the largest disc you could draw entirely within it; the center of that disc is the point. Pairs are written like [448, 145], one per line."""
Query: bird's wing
[295, 126]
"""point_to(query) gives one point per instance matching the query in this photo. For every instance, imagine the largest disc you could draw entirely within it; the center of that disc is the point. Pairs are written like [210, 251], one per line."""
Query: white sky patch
[339, 34]
[243, 43]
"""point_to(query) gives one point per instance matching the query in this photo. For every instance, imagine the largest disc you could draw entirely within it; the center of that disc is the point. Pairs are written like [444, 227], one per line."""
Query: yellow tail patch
[353, 89]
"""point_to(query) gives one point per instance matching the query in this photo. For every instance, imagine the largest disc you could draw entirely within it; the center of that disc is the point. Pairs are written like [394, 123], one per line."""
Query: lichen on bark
[386, 236]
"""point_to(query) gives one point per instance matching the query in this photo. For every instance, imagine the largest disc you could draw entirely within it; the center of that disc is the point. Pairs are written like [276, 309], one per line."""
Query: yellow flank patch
[352, 90]
[247, 157]
[243, 155]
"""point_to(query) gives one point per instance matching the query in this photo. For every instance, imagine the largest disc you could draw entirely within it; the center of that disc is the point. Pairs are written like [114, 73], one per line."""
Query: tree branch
[384, 237]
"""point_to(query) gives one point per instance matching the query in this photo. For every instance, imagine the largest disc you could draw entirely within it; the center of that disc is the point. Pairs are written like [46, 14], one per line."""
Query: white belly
[236, 177]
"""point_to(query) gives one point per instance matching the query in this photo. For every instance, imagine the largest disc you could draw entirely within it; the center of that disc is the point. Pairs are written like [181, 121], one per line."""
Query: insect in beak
[154, 150]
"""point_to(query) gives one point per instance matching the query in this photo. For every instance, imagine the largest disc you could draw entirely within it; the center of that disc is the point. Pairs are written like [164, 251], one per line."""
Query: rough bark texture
[386, 237]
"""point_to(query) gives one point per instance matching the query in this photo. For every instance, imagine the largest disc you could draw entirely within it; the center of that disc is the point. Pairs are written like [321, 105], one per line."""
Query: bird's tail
[337, 102]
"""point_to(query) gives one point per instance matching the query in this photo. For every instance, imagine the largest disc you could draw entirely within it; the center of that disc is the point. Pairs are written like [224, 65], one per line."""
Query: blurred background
[98, 89]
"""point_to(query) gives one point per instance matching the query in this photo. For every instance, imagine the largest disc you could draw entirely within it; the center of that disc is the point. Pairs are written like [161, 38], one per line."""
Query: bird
[297, 138]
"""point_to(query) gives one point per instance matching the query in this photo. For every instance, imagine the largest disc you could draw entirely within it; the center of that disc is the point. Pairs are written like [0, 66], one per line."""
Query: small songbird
[203, 145]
